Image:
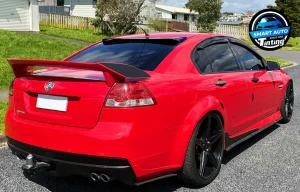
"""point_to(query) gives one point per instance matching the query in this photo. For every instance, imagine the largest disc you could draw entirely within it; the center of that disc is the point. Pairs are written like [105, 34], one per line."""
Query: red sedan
[139, 108]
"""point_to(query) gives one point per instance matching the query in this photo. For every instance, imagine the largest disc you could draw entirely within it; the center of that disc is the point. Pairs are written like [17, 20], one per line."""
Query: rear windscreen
[145, 54]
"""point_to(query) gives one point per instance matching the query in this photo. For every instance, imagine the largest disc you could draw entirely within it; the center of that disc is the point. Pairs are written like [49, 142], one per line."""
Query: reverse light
[11, 88]
[130, 94]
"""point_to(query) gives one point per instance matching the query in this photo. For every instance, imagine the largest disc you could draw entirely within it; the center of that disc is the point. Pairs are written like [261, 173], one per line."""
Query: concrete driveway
[270, 161]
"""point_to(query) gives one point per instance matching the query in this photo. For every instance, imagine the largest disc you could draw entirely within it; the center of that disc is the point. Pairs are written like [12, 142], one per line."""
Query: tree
[271, 7]
[209, 13]
[158, 24]
[291, 8]
[120, 16]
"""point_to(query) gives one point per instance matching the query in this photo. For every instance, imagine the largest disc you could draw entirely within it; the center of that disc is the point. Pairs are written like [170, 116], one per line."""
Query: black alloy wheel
[205, 152]
[287, 107]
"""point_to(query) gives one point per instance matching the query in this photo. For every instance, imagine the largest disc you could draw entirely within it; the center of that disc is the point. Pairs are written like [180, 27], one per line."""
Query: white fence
[231, 30]
[84, 23]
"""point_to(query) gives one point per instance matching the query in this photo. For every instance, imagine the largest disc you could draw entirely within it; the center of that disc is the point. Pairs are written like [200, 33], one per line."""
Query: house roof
[248, 15]
[175, 9]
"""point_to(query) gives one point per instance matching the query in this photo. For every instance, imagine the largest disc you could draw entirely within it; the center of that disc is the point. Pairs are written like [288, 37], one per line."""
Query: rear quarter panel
[182, 101]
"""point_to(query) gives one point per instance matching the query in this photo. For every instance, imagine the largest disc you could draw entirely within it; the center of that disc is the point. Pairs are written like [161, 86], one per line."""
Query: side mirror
[271, 66]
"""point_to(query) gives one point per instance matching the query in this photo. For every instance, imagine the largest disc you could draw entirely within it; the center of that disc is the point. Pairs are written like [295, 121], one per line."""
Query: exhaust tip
[100, 177]
[95, 177]
[105, 178]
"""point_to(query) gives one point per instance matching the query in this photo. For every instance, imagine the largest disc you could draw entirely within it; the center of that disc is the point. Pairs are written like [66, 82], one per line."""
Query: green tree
[158, 24]
[271, 7]
[291, 8]
[119, 16]
[209, 13]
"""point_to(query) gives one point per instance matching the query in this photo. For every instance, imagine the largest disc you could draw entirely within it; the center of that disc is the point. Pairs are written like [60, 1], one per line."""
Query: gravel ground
[267, 162]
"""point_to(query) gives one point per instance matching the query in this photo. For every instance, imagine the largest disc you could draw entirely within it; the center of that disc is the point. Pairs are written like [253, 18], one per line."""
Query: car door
[264, 91]
[231, 86]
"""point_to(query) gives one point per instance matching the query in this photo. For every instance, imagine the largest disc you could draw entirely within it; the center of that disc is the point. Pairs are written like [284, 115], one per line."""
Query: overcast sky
[232, 5]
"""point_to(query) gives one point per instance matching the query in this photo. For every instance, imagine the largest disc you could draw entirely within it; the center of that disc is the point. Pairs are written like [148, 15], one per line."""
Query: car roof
[165, 35]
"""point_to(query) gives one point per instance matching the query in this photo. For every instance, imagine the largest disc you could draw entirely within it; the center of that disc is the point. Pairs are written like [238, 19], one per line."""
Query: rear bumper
[123, 135]
[64, 164]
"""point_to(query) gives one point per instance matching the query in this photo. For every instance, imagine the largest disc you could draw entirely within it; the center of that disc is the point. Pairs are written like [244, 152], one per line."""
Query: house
[247, 17]
[231, 17]
[19, 15]
[87, 8]
[176, 13]
[84, 8]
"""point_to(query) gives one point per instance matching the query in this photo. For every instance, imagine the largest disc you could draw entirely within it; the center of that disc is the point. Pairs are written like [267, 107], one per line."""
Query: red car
[139, 108]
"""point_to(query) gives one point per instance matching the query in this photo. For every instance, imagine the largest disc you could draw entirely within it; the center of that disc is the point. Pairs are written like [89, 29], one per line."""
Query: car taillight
[11, 88]
[129, 94]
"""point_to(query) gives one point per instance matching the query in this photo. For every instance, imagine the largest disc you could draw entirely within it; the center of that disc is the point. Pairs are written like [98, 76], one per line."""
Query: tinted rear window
[143, 54]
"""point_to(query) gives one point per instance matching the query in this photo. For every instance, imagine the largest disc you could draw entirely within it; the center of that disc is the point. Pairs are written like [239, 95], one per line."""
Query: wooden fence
[84, 23]
[64, 21]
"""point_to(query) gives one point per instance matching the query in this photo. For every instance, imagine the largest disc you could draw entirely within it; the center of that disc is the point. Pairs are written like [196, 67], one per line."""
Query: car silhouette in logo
[269, 23]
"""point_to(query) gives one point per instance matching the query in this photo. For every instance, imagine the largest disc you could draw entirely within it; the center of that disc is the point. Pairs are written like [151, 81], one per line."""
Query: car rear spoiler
[113, 72]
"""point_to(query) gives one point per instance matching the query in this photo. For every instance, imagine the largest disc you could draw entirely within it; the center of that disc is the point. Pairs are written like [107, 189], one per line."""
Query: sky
[240, 6]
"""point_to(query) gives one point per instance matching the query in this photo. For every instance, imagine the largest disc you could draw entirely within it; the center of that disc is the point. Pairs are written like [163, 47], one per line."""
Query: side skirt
[230, 143]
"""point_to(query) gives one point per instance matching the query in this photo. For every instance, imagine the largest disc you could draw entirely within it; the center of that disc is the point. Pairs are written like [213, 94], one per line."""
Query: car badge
[49, 86]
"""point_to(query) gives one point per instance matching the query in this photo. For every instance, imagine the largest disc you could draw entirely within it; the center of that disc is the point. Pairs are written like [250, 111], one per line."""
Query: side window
[202, 62]
[221, 58]
[248, 59]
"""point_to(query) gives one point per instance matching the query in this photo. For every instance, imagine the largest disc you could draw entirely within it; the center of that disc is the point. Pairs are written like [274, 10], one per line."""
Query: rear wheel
[287, 106]
[205, 152]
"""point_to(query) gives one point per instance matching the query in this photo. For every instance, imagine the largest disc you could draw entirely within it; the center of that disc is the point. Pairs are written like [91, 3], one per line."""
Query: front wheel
[287, 106]
[205, 152]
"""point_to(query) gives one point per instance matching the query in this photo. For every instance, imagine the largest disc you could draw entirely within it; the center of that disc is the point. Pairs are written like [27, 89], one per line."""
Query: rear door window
[216, 58]
[222, 58]
[141, 53]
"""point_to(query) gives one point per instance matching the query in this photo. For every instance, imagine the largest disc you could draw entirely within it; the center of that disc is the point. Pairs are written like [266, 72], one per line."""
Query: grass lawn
[82, 35]
[13, 45]
[3, 107]
[282, 62]
[292, 45]
[248, 41]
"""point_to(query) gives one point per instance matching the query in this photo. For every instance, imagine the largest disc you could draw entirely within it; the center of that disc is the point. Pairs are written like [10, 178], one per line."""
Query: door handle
[255, 79]
[220, 83]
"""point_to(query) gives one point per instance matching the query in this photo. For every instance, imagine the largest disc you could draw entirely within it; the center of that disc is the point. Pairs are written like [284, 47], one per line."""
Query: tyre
[204, 155]
[287, 106]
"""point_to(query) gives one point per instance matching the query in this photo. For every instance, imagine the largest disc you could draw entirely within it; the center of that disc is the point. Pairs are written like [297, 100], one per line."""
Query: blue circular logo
[269, 29]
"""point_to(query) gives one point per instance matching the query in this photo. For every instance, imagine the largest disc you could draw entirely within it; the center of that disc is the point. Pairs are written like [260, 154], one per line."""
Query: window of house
[60, 2]
[186, 17]
[159, 15]
[174, 16]
[94, 3]
[193, 18]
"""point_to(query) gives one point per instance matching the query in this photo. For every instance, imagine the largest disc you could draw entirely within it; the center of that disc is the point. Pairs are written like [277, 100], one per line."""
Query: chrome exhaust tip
[105, 178]
[95, 177]
[100, 177]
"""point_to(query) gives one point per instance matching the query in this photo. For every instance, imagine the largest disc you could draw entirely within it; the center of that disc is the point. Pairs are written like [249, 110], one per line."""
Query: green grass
[282, 62]
[3, 107]
[13, 45]
[292, 45]
[82, 35]
[248, 41]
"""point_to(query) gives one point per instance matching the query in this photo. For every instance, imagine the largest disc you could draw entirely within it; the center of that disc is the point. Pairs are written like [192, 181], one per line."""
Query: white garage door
[14, 15]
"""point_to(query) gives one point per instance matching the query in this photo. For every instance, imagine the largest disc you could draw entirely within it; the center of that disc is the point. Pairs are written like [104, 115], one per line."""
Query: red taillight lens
[11, 88]
[129, 95]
